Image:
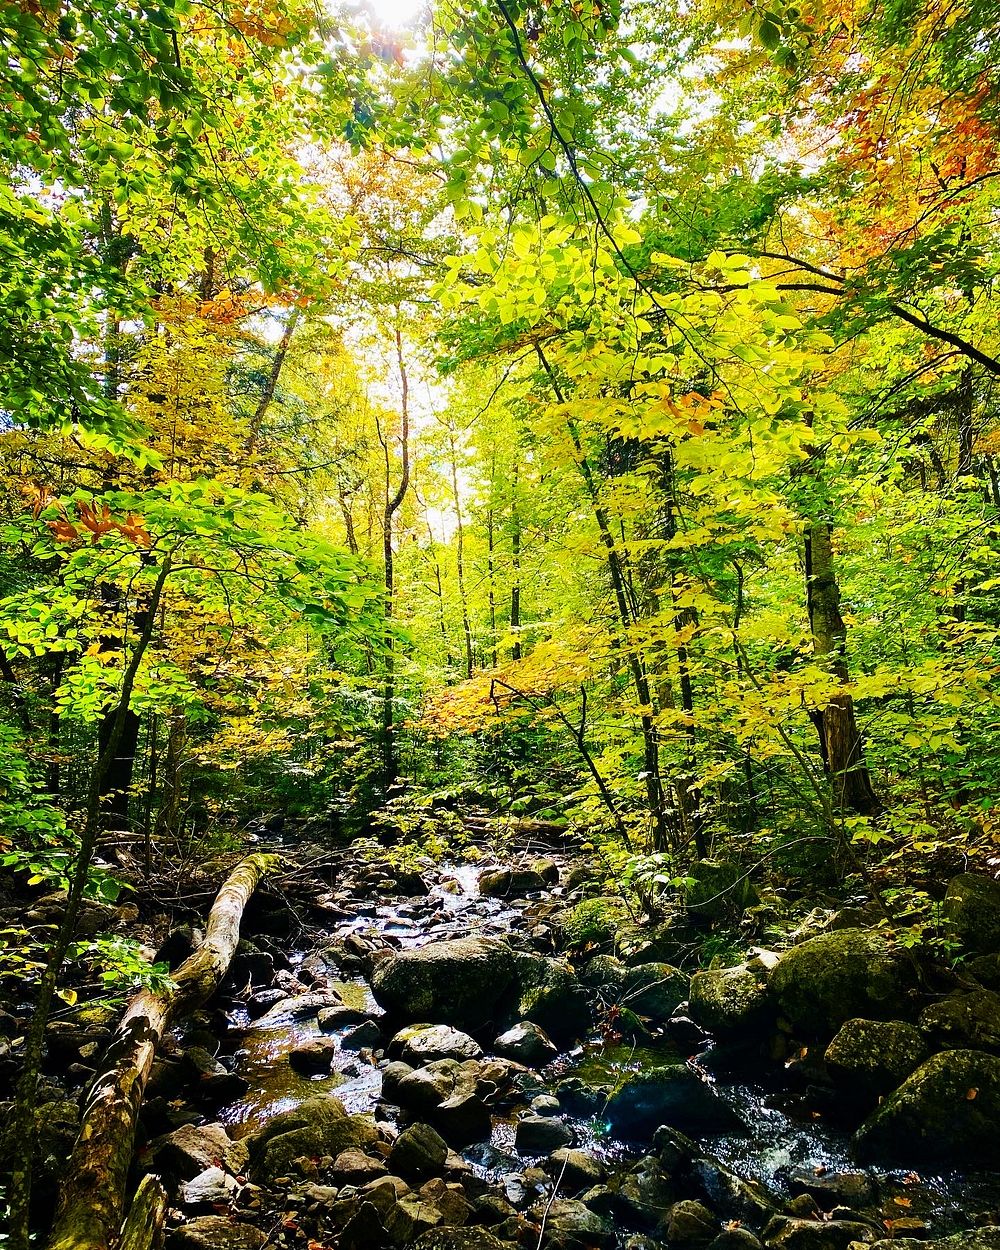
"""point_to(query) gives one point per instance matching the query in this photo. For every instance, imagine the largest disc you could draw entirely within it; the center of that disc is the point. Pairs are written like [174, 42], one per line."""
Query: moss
[729, 1000]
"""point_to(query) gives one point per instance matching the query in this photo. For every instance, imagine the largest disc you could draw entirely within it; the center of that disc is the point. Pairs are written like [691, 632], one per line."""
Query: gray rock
[729, 1001]
[689, 1225]
[294, 1007]
[189, 1151]
[526, 1043]
[362, 1035]
[570, 1225]
[873, 1057]
[354, 1167]
[418, 1152]
[549, 995]
[208, 1188]
[538, 1134]
[458, 982]
[319, 1126]
[215, 1232]
[674, 1095]
[785, 1233]
[421, 1043]
[985, 1238]
[574, 1170]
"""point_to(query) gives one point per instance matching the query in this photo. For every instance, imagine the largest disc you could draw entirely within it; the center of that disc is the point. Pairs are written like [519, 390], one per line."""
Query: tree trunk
[460, 557]
[91, 1204]
[390, 760]
[843, 749]
[515, 564]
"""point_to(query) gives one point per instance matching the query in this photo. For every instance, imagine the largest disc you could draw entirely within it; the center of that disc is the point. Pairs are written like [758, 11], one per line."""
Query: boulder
[718, 890]
[985, 1238]
[787, 1233]
[674, 1095]
[189, 1151]
[456, 982]
[965, 1021]
[459, 1239]
[526, 1043]
[654, 990]
[422, 1043]
[730, 1002]
[511, 882]
[574, 1170]
[292, 1007]
[354, 1167]
[215, 1232]
[689, 1225]
[313, 1056]
[570, 1225]
[538, 1134]
[837, 976]
[971, 912]
[210, 1188]
[948, 1110]
[418, 1152]
[833, 1189]
[871, 1058]
[319, 1126]
[549, 995]
[360, 1036]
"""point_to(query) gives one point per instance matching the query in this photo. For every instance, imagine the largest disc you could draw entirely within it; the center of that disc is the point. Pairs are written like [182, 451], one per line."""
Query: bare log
[92, 1201]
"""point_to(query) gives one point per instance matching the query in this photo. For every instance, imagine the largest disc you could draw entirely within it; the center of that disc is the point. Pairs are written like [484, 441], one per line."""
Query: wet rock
[872, 1057]
[655, 990]
[684, 1033]
[189, 1151]
[574, 1170]
[408, 1218]
[456, 982]
[970, 1020]
[971, 912]
[208, 1189]
[313, 1057]
[363, 1229]
[985, 1238]
[526, 1043]
[730, 1001]
[570, 1225]
[549, 995]
[261, 1001]
[319, 1126]
[418, 1152]
[947, 1110]
[830, 1189]
[215, 1232]
[450, 1200]
[449, 1093]
[342, 1016]
[538, 1134]
[718, 890]
[547, 869]
[689, 1225]
[361, 1035]
[510, 883]
[249, 970]
[644, 1196]
[458, 1239]
[354, 1167]
[294, 1007]
[735, 1239]
[422, 1043]
[838, 976]
[784, 1233]
[669, 1095]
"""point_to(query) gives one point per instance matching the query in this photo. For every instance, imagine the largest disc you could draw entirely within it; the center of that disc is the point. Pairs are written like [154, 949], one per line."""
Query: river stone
[837, 976]
[570, 1225]
[729, 1001]
[421, 1043]
[985, 1238]
[673, 1095]
[459, 1239]
[948, 1110]
[318, 1126]
[550, 996]
[547, 869]
[510, 882]
[831, 1189]
[354, 1167]
[873, 1057]
[735, 1239]
[189, 1151]
[526, 1043]
[654, 990]
[296, 1007]
[208, 1189]
[574, 1170]
[787, 1233]
[418, 1152]
[215, 1232]
[408, 1218]
[718, 890]
[341, 1017]
[457, 982]
[367, 1033]
[313, 1056]
[689, 1225]
[965, 1021]
[537, 1134]
[971, 912]
[642, 1197]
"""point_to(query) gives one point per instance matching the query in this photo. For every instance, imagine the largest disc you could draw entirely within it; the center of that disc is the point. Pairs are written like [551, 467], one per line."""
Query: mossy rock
[596, 920]
[963, 1021]
[837, 976]
[318, 1126]
[947, 1111]
[730, 1001]
[673, 1095]
[550, 995]
[654, 990]
[457, 982]
[718, 890]
[971, 912]
[871, 1058]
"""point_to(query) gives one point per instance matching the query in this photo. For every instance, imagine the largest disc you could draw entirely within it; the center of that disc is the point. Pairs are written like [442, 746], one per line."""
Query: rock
[510, 882]
[526, 1043]
[729, 1002]
[538, 1134]
[947, 1110]
[735, 1239]
[319, 1126]
[249, 970]
[458, 982]
[313, 1056]
[985, 1238]
[418, 1152]
[354, 1167]
[971, 912]
[361, 1035]
[872, 1057]
[669, 1095]
[363, 1229]
[547, 869]
[654, 990]
[570, 1225]
[837, 976]
[689, 1225]
[718, 890]
[458, 1239]
[785, 1233]
[341, 1017]
[574, 1170]
[549, 995]
[208, 1189]
[644, 1196]
[189, 1151]
[292, 1007]
[261, 1001]
[450, 1094]
[966, 1021]
[450, 1200]
[831, 1189]
[215, 1232]
[421, 1043]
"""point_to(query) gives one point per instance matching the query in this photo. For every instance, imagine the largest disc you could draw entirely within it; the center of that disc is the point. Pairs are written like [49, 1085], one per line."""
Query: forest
[499, 620]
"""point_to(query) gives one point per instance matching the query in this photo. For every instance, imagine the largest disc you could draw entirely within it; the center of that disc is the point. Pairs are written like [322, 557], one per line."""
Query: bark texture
[91, 1206]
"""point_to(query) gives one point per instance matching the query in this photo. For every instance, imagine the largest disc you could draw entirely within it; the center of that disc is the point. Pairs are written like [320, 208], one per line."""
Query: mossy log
[92, 1200]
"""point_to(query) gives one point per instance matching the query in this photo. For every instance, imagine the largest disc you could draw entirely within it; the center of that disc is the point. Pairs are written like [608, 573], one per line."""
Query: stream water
[784, 1133]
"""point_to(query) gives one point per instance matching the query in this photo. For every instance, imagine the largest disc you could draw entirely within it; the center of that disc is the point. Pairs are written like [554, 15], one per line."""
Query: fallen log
[92, 1201]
